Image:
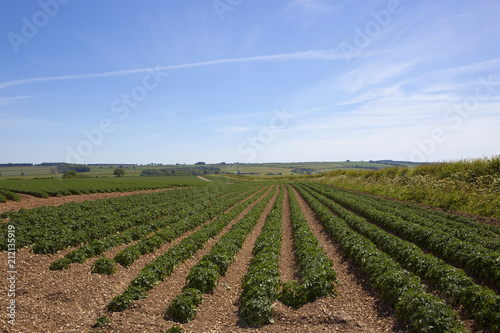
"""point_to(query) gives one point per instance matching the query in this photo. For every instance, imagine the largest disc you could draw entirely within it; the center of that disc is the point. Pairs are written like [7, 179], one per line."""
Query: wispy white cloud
[6, 100]
[361, 78]
[71, 77]
[326, 55]
[317, 6]
[474, 68]
[237, 129]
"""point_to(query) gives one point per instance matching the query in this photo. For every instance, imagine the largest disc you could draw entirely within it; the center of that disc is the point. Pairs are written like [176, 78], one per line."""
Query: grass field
[28, 172]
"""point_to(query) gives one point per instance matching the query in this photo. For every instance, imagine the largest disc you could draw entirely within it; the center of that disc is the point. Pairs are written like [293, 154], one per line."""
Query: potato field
[247, 257]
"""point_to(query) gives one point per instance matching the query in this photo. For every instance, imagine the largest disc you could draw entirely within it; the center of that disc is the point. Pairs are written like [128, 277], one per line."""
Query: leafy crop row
[44, 188]
[424, 312]
[205, 275]
[318, 279]
[179, 212]
[477, 260]
[150, 244]
[8, 195]
[443, 217]
[483, 303]
[460, 227]
[261, 284]
[164, 265]
[35, 193]
[50, 229]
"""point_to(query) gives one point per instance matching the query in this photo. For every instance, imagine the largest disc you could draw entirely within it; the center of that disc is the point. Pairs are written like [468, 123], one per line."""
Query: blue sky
[168, 81]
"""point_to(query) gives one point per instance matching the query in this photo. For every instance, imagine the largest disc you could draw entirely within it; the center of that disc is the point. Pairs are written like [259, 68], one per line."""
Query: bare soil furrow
[357, 302]
[288, 263]
[147, 314]
[219, 312]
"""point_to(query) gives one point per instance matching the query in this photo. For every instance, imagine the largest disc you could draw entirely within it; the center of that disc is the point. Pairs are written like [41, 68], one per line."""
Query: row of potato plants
[180, 212]
[261, 284]
[50, 229]
[482, 303]
[6, 195]
[404, 291]
[41, 223]
[318, 278]
[476, 259]
[161, 267]
[464, 229]
[35, 193]
[150, 244]
[452, 220]
[45, 188]
[440, 216]
[204, 276]
[118, 223]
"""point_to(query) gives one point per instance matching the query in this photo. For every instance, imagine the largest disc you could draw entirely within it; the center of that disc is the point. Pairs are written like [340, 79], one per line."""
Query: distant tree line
[50, 164]
[61, 167]
[64, 167]
[364, 167]
[303, 171]
[398, 163]
[110, 164]
[184, 171]
[16, 164]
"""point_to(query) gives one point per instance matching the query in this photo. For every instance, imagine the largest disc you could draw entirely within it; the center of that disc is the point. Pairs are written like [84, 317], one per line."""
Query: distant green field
[291, 168]
[28, 171]
[241, 168]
